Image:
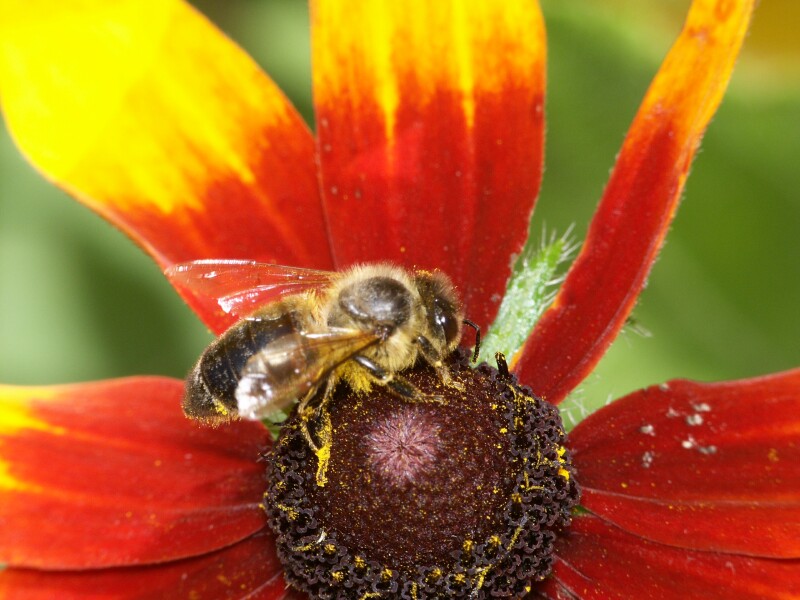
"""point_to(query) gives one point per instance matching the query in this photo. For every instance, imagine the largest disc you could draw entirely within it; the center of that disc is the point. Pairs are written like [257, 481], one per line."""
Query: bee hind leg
[311, 413]
[398, 385]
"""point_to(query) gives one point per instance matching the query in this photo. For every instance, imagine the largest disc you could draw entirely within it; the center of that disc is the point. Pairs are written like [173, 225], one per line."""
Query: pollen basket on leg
[456, 499]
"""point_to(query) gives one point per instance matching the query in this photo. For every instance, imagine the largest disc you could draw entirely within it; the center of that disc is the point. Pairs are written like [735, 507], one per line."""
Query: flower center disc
[451, 498]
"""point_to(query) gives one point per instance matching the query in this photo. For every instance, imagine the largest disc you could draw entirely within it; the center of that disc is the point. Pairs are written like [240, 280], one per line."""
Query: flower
[436, 139]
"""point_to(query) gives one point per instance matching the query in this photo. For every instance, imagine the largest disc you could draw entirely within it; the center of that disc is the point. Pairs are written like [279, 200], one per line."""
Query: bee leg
[307, 415]
[434, 358]
[398, 385]
[477, 351]
[329, 387]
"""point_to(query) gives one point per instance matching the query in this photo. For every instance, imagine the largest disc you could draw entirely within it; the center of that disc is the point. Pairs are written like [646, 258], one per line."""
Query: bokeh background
[78, 301]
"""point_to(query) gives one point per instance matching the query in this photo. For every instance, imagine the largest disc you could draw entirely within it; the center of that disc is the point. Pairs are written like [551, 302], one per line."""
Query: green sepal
[530, 291]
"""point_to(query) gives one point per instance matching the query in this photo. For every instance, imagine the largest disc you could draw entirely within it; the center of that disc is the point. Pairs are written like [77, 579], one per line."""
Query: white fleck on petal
[694, 420]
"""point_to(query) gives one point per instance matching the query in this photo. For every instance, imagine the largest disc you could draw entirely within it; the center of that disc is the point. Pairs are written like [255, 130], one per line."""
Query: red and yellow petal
[639, 202]
[430, 125]
[597, 561]
[248, 569]
[151, 117]
[701, 466]
[111, 473]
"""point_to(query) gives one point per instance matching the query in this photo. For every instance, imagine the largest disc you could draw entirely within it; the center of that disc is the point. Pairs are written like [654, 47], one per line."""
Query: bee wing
[236, 288]
[276, 376]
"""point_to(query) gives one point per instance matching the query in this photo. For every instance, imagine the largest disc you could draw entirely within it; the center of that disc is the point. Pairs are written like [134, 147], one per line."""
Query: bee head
[443, 307]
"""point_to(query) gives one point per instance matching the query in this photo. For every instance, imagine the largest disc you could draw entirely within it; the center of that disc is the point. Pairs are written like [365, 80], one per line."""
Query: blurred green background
[78, 301]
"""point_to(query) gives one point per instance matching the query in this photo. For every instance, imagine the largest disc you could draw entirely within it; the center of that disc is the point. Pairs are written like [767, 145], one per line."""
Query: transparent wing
[279, 374]
[239, 287]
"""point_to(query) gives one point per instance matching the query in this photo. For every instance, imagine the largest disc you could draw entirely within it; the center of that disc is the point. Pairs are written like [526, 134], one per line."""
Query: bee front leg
[397, 384]
[434, 358]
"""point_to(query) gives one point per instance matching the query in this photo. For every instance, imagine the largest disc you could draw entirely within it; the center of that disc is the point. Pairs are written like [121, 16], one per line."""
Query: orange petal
[629, 226]
[706, 466]
[430, 124]
[248, 569]
[598, 561]
[150, 116]
[111, 473]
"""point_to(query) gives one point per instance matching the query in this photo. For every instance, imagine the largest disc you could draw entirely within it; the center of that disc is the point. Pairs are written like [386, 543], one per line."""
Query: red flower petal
[111, 473]
[154, 119]
[638, 205]
[599, 561]
[248, 570]
[703, 466]
[430, 135]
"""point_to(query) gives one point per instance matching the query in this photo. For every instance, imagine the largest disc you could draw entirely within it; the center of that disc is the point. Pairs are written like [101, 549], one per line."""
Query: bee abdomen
[211, 385]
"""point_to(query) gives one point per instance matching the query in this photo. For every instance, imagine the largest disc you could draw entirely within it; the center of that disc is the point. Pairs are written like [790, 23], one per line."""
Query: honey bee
[302, 331]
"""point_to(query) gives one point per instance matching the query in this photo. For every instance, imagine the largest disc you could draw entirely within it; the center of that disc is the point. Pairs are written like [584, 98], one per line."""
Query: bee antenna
[477, 329]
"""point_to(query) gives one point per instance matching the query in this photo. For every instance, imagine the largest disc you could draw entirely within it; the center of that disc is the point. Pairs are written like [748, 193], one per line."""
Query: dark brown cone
[423, 500]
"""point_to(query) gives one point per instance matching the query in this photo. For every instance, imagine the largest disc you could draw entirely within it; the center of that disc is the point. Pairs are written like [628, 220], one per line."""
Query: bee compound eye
[446, 317]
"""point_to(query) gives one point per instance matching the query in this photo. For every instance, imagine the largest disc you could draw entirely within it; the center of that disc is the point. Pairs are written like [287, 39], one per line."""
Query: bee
[300, 332]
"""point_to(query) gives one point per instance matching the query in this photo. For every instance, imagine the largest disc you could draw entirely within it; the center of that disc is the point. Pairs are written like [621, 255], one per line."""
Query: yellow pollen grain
[323, 458]
[306, 547]
[290, 512]
[324, 452]
[220, 408]
[482, 573]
